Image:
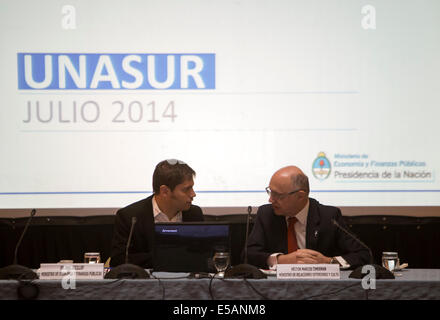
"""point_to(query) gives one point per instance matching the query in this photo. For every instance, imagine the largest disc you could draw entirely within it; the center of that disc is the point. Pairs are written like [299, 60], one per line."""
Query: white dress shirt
[300, 231]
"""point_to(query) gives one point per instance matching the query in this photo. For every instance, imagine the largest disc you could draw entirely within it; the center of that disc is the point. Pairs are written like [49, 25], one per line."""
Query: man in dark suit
[296, 229]
[171, 202]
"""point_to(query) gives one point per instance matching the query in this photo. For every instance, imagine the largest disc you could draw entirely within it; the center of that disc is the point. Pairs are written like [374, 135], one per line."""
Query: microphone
[133, 222]
[127, 270]
[22, 234]
[381, 272]
[249, 209]
[16, 271]
[245, 270]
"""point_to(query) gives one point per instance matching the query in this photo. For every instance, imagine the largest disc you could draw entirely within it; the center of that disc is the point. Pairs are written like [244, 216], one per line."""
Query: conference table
[409, 284]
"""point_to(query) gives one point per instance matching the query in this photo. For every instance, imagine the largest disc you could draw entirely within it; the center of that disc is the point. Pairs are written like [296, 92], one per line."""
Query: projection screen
[96, 93]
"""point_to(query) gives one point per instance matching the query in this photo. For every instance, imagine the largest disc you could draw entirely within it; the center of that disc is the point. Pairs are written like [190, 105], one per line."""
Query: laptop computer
[189, 246]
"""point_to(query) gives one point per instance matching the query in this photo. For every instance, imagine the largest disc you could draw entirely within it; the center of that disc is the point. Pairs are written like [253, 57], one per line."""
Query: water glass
[92, 257]
[390, 260]
[221, 262]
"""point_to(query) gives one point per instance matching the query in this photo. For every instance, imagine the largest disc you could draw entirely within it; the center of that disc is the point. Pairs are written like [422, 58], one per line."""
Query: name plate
[308, 271]
[79, 271]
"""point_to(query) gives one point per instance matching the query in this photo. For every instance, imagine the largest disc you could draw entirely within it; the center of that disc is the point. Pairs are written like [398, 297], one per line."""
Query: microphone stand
[16, 271]
[381, 272]
[128, 270]
[245, 270]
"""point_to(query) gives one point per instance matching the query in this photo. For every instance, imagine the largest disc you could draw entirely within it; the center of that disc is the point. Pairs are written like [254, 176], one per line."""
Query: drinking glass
[221, 262]
[390, 260]
[92, 257]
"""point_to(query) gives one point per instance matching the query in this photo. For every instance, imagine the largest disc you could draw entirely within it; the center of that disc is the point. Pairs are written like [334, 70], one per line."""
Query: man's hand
[303, 256]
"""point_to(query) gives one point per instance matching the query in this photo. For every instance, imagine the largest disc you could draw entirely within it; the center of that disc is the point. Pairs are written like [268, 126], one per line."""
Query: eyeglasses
[276, 195]
[174, 162]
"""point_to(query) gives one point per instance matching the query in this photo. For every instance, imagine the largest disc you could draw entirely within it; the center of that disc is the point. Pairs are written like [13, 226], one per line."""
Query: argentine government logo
[321, 167]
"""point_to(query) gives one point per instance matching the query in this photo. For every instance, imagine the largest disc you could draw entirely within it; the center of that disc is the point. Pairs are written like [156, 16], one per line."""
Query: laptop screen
[189, 246]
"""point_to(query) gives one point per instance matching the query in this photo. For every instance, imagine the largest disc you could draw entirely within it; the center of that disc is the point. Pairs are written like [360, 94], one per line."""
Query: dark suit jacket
[269, 235]
[140, 251]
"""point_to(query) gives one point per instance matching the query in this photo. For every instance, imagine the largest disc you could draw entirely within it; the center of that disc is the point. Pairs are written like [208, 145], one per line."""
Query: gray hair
[300, 181]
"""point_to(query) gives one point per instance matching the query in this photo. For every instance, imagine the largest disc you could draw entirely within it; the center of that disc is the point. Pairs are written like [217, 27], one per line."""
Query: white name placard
[80, 271]
[308, 271]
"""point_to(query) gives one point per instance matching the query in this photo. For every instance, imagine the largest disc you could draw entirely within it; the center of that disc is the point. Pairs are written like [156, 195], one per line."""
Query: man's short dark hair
[170, 173]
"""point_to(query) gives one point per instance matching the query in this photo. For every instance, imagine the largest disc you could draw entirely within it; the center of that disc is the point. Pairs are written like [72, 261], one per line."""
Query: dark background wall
[51, 239]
